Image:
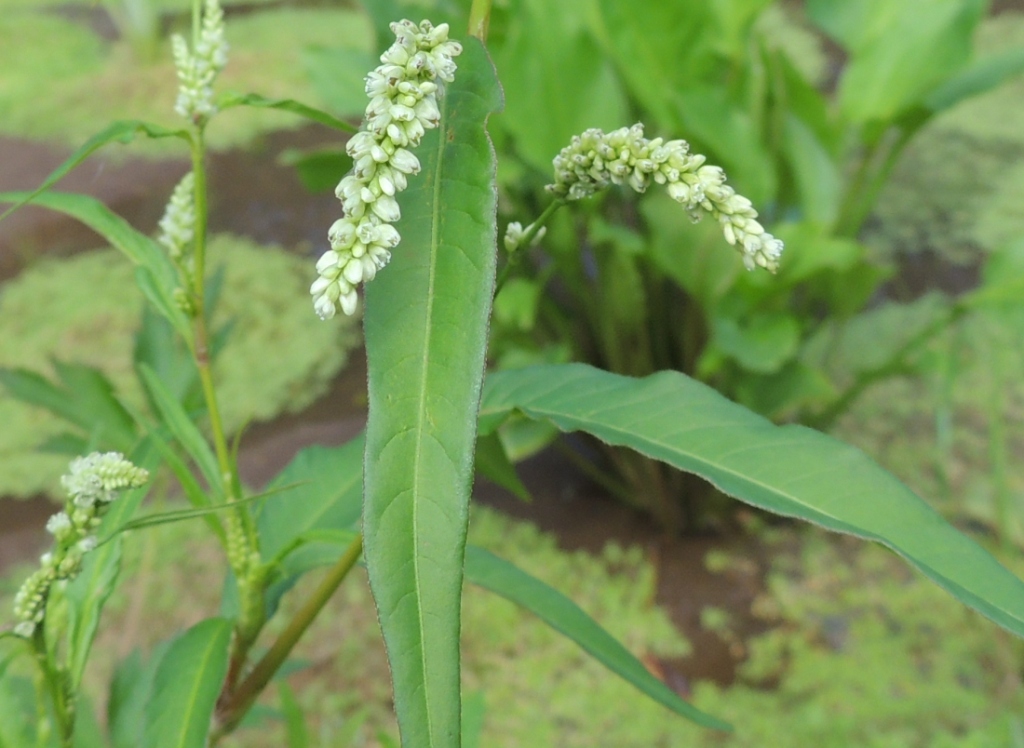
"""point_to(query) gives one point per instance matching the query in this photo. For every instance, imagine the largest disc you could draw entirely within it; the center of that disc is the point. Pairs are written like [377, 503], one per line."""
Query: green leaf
[977, 78]
[319, 170]
[925, 44]
[426, 335]
[155, 273]
[325, 493]
[788, 470]
[338, 76]
[123, 131]
[493, 463]
[186, 686]
[95, 398]
[662, 48]
[763, 343]
[313, 114]
[130, 689]
[814, 170]
[180, 425]
[294, 720]
[563, 615]
[553, 72]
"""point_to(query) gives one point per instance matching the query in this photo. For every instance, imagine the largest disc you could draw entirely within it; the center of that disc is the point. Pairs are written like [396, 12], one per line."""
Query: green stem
[895, 365]
[525, 241]
[237, 704]
[479, 19]
[63, 708]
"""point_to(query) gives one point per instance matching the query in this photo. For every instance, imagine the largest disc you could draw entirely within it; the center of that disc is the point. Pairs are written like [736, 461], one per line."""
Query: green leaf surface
[130, 689]
[318, 169]
[553, 72]
[157, 276]
[313, 114]
[186, 686]
[485, 569]
[921, 47]
[338, 77]
[426, 335]
[493, 463]
[324, 492]
[185, 432]
[123, 131]
[789, 470]
[977, 78]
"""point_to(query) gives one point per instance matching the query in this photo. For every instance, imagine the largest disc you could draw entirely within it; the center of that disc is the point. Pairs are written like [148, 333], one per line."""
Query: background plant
[753, 89]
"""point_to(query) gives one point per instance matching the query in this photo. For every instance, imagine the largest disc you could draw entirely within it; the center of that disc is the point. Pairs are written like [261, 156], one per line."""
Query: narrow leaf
[287, 105]
[426, 334]
[123, 131]
[155, 273]
[788, 470]
[493, 463]
[977, 78]
[186, 686]
[181, 426]
[485, 569]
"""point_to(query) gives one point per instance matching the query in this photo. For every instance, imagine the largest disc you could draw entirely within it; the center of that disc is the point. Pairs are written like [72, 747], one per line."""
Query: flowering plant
[398, 497]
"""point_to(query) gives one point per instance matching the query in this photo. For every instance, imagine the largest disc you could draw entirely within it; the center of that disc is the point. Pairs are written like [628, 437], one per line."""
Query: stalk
[479, 19]
[237, 704]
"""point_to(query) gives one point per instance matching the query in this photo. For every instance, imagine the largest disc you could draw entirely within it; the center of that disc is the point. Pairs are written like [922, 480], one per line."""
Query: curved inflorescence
[91, 484]
[596, 159]
[403, 106]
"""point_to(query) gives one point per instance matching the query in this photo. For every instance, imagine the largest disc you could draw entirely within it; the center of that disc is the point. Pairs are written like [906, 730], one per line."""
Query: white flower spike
[403, 106]
[198, 68]
[92, 483]
[596, 159]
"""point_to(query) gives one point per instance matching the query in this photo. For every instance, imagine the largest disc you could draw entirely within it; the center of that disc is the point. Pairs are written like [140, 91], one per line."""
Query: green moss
[955, 188]
[865, 654]
[86, 309]
[88, 83]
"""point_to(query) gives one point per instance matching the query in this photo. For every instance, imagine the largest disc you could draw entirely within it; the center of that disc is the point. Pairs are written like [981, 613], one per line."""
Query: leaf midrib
[421, 415]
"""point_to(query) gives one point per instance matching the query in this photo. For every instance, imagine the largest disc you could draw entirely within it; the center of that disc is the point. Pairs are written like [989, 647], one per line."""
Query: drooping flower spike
[403, 106]
[596, 159]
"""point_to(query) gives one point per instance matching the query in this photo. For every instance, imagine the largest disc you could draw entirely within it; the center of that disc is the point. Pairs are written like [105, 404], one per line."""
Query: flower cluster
[596, 159]
[515, 234]
[92, 483]
[177, 227]
[198, 68]
[403, 106]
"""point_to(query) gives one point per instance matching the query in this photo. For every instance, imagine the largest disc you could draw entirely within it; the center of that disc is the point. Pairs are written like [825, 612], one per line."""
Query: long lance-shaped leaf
[155, 273]
[122, 131]
[286, 105]
[426, 333]
[186, 685]
[788, 470]
[485, 569]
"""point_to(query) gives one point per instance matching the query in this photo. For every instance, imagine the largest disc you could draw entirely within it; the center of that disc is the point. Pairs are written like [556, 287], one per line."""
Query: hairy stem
[525, 241]
[234, 706]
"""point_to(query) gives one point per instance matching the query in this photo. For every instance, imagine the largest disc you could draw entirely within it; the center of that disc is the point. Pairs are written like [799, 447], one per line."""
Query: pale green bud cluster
[177, 227]
[92, 483]
[403, 106]
[198, 68]
[515, 234]
[596, 159]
